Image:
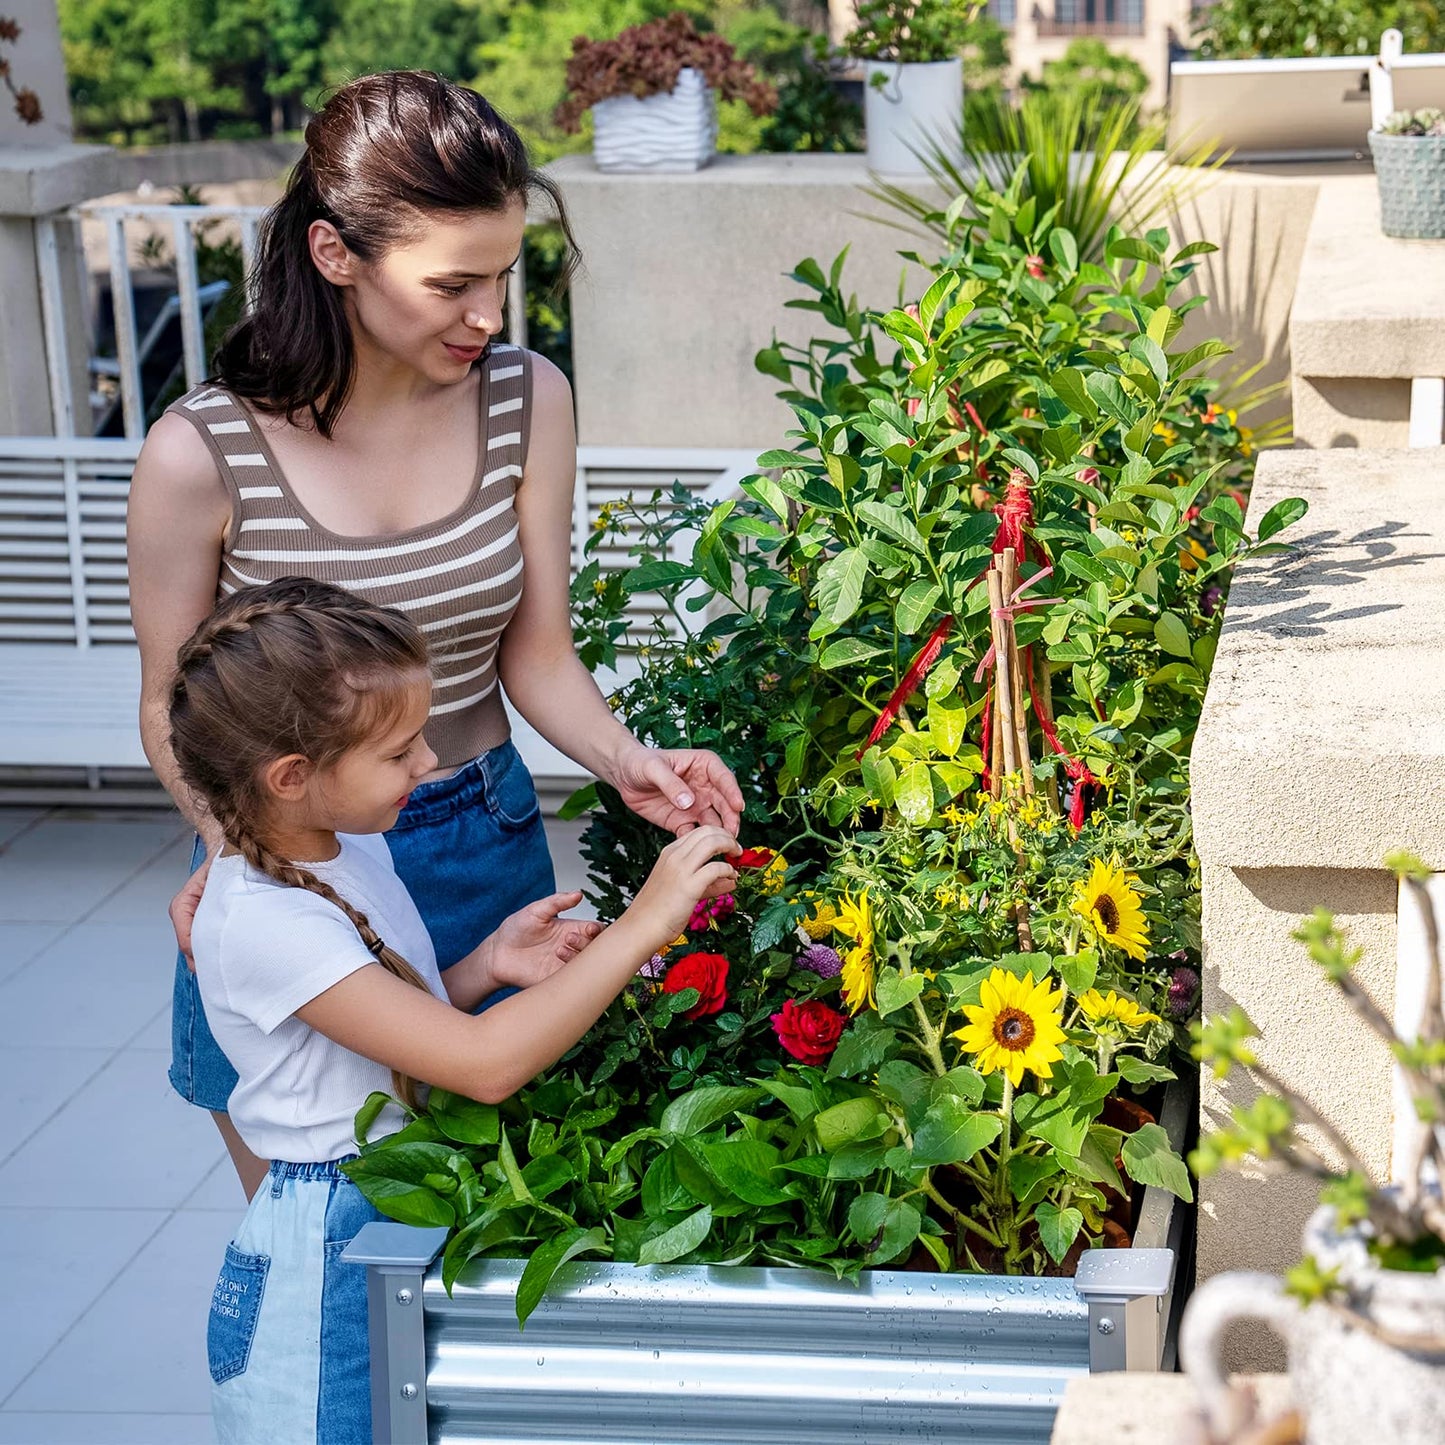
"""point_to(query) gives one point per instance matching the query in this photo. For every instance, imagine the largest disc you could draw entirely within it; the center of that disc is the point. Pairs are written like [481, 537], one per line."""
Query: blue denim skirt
[471, 849]
[287, 1340]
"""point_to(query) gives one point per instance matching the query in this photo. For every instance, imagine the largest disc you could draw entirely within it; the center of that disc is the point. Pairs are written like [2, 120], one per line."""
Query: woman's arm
[490, 1056]
[175, 525]
[540, 670]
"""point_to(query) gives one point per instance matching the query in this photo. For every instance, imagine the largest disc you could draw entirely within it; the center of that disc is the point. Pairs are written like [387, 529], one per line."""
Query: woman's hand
[535, 942]
[183, 910]
[679, 788]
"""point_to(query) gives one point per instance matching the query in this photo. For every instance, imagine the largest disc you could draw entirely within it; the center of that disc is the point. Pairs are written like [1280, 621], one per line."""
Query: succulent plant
[1415, 122]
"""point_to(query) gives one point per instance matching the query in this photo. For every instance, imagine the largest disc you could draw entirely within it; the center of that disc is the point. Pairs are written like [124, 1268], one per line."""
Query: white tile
[61, 868]
[14, 821]
[96, 986]
[36, 1084]
[157, 1033]
[56, 1263]
[109, 1363]
[147, 896]
[69, 1428]
[220, 1189]
[20, 942]
[125, 1141]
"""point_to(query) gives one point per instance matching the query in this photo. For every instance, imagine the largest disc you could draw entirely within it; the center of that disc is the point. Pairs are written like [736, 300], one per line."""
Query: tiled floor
[116, 1199]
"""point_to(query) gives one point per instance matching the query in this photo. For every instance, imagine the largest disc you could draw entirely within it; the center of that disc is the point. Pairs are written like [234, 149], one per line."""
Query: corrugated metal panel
[725, 1356]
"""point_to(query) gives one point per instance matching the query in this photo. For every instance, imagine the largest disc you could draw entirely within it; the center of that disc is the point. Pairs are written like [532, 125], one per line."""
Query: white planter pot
[673, 132]
[1351, 1384]
[916, 107]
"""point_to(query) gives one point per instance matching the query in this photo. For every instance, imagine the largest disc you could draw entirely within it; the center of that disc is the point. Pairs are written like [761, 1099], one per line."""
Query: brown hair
[295, 666]
[382, 154]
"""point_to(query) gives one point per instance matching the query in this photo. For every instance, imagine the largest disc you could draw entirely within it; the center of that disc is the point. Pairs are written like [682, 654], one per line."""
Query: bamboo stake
[1005, 679]
[1020, 717]
[1044, 697]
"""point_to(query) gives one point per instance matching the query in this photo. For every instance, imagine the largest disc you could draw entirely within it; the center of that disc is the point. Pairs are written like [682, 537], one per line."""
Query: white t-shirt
[264, 950]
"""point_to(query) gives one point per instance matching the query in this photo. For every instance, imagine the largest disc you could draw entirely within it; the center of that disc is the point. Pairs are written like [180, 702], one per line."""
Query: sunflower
[1110, 907]
[1016, 1025]
[1110, 1008]
[855, 921]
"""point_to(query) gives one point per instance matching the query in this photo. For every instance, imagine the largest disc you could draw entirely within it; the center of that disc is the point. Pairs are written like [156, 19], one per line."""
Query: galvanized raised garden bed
[712, 1355]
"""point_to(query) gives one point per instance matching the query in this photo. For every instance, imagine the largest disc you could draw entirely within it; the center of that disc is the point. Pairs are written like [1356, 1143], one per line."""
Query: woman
[364, 429]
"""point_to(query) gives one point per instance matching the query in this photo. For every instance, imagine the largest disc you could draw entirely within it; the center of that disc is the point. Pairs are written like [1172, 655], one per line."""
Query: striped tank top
[458, 579]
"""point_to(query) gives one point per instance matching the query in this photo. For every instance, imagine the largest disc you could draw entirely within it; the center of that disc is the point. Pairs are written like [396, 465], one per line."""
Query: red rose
[809, 1031]
[752, 858]
[708, 974]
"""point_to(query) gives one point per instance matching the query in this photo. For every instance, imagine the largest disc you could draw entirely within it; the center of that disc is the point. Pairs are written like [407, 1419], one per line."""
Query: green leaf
[894, 523]
[678, 1241]
[780, 458]
[914, 794]
[462, 1119]
[656, 574]
[508, 1161]
[1058, 1228]
[879, 775]
[947, 719]
[1172, 635]
[745, 1167]
[547, 1259]
[367, 1114]
[952, 1133]
[1105, 390]
[844, 1122]
[865, 1044]
[840, 585]
[1079, 970]
[1139, 1071]
[916, 605]
[1281, 515]
[392, 1178]
[702, 1108]
[1080, 564]
[896, 991]
[1065, 248]
[1069, 385]
[1148, 1159]
[1027, 1171]
[582, 801]
[885, 1227]
[849, 650]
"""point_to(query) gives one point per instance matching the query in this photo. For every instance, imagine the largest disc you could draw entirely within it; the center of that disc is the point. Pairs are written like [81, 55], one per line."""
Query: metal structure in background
[713, 1355]
[178, 224]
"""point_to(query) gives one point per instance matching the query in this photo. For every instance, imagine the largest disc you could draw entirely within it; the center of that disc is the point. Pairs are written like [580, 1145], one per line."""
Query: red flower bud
[1089, 476]
[1034, 265]
[708, 974]
[809, 1031]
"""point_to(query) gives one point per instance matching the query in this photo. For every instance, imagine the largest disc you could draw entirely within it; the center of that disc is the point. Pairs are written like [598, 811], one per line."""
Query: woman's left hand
[679, 788]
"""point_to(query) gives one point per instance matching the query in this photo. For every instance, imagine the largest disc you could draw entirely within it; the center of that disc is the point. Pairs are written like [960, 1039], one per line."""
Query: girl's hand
[183, 910]
[685, 871]
[535, 942]
[679, 788]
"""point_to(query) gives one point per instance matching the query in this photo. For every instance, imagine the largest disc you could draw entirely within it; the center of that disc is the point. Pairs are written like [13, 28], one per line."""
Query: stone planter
[718, 1355]
[916, 107]
[1351, 1383]
[659, 133]
[1411, 171]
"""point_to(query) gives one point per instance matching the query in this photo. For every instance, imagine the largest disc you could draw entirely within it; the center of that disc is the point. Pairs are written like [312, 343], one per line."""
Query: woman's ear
[287, 778]
[330, 255]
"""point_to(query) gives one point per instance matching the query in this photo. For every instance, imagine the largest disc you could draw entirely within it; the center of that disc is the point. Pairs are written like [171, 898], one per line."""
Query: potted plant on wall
[1364, 1314]
[1409, 152]
[913, 96]
[653, 94]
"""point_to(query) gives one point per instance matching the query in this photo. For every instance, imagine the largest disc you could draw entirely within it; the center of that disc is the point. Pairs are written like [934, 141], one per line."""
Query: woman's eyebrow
[471, 275]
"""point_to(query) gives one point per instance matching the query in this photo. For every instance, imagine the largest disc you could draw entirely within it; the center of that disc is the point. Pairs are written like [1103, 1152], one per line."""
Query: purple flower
[1209, 602]
[1183, 993]
[820, 959]
[654, 968]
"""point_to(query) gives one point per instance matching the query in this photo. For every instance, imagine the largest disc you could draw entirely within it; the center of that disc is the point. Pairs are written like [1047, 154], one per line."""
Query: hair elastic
[378, 948]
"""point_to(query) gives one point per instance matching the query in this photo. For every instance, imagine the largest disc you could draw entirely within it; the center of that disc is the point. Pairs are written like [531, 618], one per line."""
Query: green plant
[1101, 77]
[1232, 29]
[1416, 122]
[1092, 164]
[910, 31]
[1404, 1227]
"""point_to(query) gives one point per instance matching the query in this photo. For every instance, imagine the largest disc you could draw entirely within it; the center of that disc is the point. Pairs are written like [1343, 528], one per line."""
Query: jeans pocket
[235, 1306]
[513, 796]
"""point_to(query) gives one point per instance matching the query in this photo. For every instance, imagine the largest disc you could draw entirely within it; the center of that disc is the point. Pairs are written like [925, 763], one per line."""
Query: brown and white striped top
[458, 579]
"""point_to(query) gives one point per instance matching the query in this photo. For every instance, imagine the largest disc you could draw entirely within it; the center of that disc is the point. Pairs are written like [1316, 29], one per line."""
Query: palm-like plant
[1100, 164]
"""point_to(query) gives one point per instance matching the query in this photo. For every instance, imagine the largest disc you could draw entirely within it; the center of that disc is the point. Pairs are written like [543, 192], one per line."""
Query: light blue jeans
[471, 850]
[286, 1339]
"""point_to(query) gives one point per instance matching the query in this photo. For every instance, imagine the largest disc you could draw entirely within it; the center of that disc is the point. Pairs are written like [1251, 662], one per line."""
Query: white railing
[179, 225]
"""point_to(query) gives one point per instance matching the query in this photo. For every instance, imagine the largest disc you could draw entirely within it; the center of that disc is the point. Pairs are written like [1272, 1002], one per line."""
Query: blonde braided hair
[295, 666]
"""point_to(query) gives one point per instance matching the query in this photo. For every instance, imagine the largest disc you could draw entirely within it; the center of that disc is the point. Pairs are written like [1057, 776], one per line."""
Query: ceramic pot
[915, 106]
[662, 133]
[1372, 1370]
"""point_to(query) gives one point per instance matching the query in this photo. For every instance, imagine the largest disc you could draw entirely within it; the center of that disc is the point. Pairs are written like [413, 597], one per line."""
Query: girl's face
[368, 786]
[432, 304]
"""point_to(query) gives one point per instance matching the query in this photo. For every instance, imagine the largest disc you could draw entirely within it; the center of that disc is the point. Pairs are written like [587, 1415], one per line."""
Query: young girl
[296, 717]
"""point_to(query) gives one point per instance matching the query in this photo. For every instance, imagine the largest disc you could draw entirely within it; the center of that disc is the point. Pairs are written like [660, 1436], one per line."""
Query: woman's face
[433, 303]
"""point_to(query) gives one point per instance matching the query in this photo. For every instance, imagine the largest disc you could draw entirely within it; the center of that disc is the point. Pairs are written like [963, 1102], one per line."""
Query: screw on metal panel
[408, 1392]
[403, 1296]
[1106, 1326]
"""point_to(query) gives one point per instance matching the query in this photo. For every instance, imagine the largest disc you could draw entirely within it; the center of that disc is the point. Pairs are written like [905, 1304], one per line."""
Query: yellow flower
[1163, 429]
[1191, 554]
[774, 876]
[1107, 903]
[1111, 1008]
[1015, 1025]
[855, 921]
[681, 941]
[951, 815]
[819, 923]
[600, 586]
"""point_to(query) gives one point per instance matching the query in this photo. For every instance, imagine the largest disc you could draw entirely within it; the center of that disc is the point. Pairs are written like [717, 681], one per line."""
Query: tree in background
[1098, 75]
[1239, 29]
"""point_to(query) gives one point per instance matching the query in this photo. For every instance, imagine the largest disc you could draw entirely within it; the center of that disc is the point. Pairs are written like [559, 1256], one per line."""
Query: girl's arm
[490, 1056]
[540, 670]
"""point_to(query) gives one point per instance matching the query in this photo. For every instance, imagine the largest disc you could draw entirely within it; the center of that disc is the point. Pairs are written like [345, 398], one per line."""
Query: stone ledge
[1322, 743]
[1366, 305]
[1143, 1409]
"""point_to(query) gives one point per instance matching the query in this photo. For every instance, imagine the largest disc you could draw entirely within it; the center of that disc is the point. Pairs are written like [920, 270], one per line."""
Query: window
[1003, 12]
[1085, 14]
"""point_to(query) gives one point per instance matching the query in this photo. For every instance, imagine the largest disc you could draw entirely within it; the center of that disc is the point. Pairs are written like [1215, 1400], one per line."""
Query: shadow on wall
[1380, 404]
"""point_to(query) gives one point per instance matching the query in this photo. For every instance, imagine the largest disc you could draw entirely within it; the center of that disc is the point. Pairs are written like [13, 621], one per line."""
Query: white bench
[69, 667]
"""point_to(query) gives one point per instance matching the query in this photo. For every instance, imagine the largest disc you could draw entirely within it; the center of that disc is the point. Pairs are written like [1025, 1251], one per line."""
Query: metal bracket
[396, 1257]
[1126, 1291]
